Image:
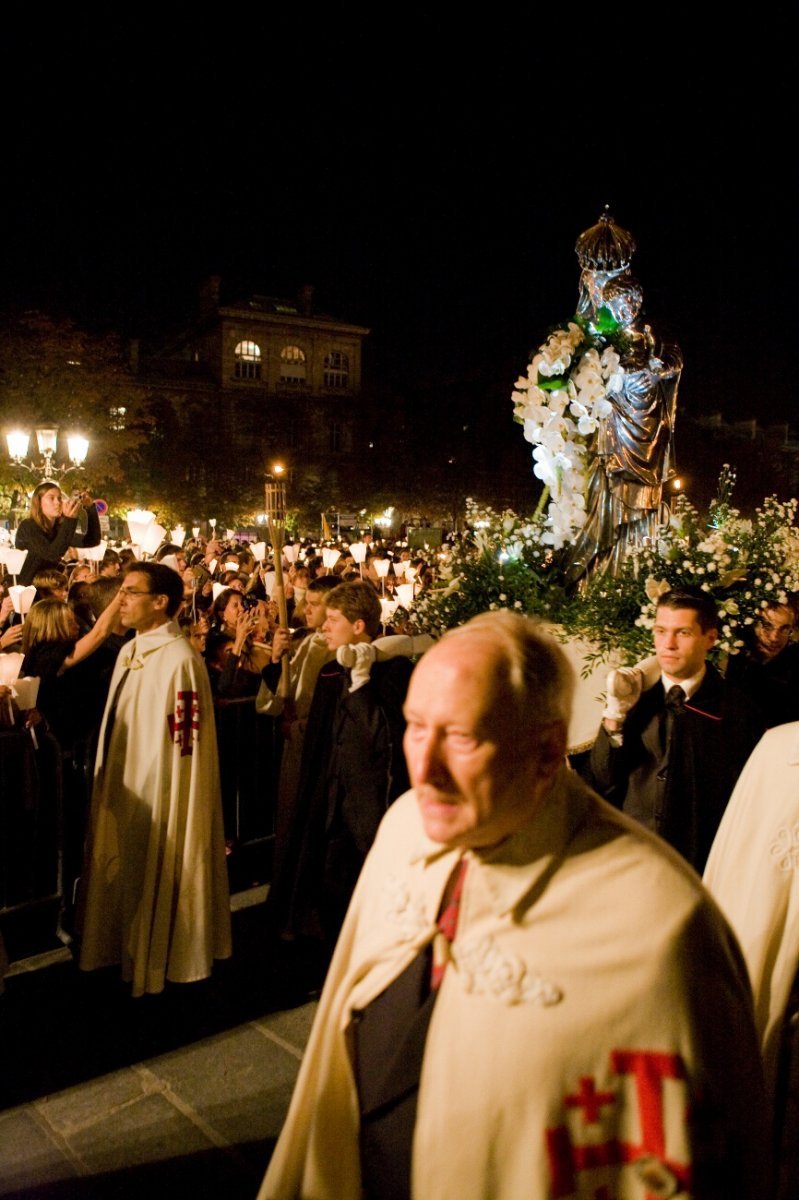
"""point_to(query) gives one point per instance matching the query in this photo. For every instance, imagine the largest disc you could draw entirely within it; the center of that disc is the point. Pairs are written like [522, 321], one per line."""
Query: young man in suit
[670, 754]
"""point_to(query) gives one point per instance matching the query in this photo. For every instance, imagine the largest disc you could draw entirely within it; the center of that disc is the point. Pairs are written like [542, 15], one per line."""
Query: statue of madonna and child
[620, 394]
[599, 405]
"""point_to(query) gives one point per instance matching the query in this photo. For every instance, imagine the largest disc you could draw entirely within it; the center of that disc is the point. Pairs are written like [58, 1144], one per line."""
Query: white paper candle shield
[152, 538]
[93, 553]
[10, 667]
[22, 598]
[13, 559]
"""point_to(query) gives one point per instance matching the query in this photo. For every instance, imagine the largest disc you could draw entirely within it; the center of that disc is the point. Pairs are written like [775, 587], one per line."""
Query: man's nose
[429, 761]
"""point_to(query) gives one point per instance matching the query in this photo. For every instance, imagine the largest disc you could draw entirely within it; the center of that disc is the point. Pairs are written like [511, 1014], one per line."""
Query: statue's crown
[605, 246]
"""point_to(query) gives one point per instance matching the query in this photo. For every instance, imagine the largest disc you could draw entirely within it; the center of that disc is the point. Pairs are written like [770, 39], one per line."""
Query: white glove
[395, 644]
[358, 659]
[650, 670]
[624, 686]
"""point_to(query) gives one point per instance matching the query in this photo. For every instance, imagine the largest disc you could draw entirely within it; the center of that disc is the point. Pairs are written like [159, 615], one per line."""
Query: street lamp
[46, 437]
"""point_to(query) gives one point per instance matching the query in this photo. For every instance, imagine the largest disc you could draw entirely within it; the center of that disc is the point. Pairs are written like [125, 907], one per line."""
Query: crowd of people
[78, 630]
[512, 942]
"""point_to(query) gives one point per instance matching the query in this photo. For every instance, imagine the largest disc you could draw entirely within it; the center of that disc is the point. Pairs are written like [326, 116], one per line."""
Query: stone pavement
[173, 1095]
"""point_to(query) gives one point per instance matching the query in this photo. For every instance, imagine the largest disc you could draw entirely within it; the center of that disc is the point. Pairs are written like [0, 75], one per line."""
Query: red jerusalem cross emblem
[588, 1143]
[185, 723]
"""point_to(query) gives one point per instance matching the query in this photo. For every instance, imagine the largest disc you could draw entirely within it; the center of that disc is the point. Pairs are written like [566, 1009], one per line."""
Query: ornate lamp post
[46, 438]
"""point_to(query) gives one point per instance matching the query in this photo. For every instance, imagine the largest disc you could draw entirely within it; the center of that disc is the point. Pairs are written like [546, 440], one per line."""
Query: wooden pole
[275, 507]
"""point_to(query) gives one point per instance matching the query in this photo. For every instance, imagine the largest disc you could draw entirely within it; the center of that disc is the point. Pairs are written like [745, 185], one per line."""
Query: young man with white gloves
[353, 766]
[675, 737]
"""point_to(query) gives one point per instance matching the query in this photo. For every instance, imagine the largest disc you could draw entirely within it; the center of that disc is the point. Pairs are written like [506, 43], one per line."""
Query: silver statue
[630, 457]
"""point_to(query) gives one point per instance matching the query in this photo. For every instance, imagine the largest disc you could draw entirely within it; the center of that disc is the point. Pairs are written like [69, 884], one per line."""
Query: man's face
[315, 609]
[773, 629]
[680, 644]
[474, 784]
[139, 608]
[339, 631]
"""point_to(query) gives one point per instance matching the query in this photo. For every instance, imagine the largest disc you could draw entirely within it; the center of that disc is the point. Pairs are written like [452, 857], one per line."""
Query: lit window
[248, 361]
[337, 370]
[292, 366]
[116, 418]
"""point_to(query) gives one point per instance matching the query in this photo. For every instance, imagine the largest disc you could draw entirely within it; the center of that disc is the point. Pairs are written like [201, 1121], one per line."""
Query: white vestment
[155, 895]
[593, 1033]
[753, 872]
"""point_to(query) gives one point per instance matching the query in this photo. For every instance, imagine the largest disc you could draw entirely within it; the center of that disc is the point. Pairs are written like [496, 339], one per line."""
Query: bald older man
[531, 996]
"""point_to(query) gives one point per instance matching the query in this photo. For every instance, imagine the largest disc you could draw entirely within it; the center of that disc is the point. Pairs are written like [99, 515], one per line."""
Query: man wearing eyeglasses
[154, 890]
[768, 666]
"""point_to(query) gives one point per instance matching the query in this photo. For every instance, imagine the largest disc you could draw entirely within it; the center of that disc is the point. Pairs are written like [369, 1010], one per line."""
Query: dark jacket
[679, 791]
[353, 768]
[772, 685]
[47, 548]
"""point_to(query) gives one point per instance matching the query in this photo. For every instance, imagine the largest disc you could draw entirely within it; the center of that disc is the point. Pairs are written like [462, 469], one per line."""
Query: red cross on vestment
[185, 723]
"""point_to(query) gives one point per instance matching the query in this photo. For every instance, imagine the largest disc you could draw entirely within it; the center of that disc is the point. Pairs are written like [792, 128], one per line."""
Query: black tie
[675, 707]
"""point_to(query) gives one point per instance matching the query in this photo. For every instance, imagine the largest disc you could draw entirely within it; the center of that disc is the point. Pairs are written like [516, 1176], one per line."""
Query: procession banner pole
[275, 508]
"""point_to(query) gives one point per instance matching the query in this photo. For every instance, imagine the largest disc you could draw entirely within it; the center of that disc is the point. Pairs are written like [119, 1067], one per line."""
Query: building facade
[250, 382]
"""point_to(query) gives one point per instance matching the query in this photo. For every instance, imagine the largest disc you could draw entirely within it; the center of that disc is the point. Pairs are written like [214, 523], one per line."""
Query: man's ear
[714, 637]
[551, 745]
[358, 627]
[160, 601]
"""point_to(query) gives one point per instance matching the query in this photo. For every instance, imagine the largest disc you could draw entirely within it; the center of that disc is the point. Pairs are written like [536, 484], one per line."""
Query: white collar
[689, 686]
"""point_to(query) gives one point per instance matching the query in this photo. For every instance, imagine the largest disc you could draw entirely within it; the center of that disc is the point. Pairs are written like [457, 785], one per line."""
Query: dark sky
[430, 176]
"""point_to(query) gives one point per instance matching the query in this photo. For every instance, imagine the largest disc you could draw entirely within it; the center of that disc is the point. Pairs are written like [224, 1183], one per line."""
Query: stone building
[249, 382]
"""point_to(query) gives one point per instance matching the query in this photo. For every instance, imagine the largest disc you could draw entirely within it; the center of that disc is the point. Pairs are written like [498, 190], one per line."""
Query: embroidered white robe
[155, 895]
[593, 1029]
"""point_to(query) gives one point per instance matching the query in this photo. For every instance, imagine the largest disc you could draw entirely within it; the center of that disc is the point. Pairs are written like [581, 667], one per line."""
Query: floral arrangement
[560, 403]
[745, 565]
[500, 561]
[508, 561]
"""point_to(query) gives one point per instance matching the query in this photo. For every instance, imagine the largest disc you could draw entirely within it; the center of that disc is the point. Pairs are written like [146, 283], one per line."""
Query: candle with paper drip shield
[330, 556]
[139, 520]
[269, 581]
[387, 610]
[405, 593]
[358, 552]
[178, 535]
[382, 567]
[22, 598]
[154, 535]
[13, 560]
[93, 554]
[10, 666]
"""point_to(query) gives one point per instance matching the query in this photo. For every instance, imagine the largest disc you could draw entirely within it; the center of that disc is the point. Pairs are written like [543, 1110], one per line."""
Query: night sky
[429, 177]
